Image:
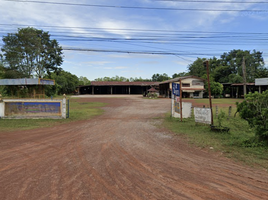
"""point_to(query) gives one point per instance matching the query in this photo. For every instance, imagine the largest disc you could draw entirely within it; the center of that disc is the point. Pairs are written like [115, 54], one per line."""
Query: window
[185, 84]
[196, 94]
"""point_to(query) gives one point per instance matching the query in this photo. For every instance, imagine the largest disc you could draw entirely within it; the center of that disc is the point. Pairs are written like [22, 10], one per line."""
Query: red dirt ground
[123, 154]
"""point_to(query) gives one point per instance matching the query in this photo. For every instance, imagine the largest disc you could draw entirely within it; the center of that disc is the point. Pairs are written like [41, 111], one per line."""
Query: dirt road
[123, 154]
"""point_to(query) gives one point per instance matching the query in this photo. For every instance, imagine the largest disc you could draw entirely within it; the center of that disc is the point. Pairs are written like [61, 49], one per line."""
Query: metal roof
[118, 83]
[240, 84]
[180, 78]
[27, 81]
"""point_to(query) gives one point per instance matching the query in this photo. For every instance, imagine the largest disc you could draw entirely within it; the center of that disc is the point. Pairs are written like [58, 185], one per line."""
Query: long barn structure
[116, 87]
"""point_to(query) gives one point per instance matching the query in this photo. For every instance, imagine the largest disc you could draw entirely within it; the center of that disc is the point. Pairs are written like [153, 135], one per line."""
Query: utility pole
[181, 99]
[244, 77]
[209, 91]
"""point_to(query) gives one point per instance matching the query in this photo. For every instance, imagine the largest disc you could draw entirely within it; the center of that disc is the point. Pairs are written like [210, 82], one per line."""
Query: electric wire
[139, 7]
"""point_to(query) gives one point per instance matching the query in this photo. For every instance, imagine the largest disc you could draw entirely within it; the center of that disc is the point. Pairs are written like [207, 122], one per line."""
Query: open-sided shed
[35, 86]
[116, 87]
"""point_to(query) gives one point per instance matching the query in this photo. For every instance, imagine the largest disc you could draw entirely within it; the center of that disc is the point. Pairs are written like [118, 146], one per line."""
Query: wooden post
[244, 77]
[181, 100]
[209, 92]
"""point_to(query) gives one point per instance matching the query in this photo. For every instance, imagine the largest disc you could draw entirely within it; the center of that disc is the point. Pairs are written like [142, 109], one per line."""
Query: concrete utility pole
[244, 77]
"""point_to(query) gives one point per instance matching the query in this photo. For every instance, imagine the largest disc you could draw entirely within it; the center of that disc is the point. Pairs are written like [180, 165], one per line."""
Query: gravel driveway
[122, 154]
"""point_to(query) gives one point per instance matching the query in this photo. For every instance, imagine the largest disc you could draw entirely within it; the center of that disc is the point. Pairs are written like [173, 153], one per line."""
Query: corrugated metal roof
[118, 83]
[27, 81]
[240, 84]
[152, 90]
[179, 78]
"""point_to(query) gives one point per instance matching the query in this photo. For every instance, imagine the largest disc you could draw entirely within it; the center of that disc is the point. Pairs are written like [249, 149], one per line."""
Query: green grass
[78, 111]
[239, 144]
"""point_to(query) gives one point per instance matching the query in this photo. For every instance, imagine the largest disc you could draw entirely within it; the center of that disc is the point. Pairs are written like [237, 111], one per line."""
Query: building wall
[191, 83]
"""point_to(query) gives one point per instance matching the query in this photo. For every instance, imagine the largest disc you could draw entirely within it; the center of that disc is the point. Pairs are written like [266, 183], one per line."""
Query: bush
[152, 95]
[255, 110]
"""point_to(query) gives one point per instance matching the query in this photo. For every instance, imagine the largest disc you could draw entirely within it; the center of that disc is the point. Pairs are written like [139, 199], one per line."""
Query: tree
[216, 88]
[255, 110]
[231, 63]
[197, 68]
[181, 74]
[31, 52]
[65, 83]
[160, 77]
[83, 81]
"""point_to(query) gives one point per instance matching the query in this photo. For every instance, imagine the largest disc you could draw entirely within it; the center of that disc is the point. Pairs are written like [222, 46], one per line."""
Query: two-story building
[192, 87]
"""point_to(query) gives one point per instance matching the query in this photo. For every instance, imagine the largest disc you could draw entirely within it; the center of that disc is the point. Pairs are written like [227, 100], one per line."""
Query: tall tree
[181, 74]
[231, 63]
[31, 52]
[160, 77]
[65, 83]
[83, 81]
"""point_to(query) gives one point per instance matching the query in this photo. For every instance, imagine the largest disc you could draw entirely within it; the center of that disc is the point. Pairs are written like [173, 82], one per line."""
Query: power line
[139, 7]
[134, 30]
[202, 1]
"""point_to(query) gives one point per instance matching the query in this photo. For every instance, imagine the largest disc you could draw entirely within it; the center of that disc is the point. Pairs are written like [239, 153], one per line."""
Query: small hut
[152, 92]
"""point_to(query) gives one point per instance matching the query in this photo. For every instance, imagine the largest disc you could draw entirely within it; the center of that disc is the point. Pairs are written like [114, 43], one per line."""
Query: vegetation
[160, 77]
[228, 69]
[65, 83]
[78, 111]
[83, 81]
[30, 52]
[255, 111]
[121, 79]
[239, 143]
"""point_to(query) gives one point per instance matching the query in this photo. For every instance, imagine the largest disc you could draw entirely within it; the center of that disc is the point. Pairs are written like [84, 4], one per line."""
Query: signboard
[186, 109]
[202, 115]
[261, 81]
[176, 89]
[32, 108]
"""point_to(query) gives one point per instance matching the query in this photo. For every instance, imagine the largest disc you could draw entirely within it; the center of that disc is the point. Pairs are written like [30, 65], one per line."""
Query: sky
[139, 38]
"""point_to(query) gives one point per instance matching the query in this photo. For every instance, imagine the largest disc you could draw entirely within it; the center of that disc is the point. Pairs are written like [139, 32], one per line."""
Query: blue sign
[176, 89]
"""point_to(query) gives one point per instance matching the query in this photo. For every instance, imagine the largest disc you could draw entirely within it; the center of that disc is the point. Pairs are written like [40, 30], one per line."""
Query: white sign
[186, 109]
[202, 115]
[261, 81]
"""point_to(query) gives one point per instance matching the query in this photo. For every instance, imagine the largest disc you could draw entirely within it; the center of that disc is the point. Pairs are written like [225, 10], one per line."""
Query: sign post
[176, 91]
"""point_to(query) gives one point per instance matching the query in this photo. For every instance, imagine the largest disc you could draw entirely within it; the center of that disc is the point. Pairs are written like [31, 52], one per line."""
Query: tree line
[32, 53]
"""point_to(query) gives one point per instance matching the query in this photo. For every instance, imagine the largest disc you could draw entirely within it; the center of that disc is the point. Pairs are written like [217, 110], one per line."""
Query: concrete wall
[33, 108]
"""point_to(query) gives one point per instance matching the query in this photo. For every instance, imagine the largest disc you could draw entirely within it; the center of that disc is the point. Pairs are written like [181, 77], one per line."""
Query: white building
[192, 87]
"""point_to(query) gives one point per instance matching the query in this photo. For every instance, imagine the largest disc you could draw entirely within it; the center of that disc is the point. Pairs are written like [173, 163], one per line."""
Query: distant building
[116, 87]
[192, 87]
[262, 84]
[236, 90]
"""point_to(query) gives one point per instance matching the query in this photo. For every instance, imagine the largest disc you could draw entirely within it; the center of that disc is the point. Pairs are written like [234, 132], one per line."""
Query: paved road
[123, 154]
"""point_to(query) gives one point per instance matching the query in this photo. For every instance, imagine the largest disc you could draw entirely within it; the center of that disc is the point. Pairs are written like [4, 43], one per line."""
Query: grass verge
[239, 143]
[78, 111]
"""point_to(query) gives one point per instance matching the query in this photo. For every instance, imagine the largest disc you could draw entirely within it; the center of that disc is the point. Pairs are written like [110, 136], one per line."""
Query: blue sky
[141, 37]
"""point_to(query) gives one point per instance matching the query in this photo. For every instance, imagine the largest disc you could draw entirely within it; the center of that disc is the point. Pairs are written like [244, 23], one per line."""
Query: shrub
[255, 110]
